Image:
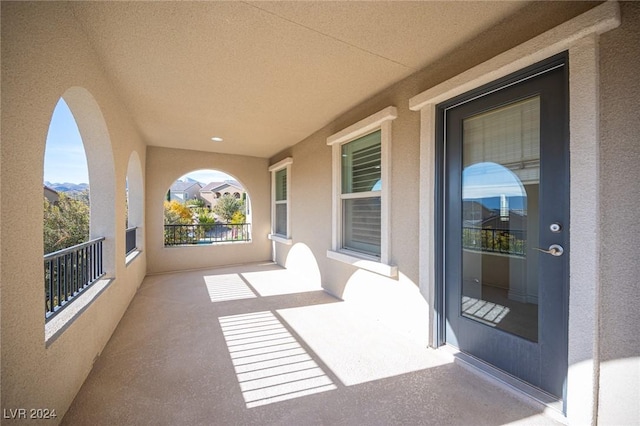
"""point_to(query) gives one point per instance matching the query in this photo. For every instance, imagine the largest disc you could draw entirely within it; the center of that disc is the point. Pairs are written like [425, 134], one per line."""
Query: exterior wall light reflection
[216, 139]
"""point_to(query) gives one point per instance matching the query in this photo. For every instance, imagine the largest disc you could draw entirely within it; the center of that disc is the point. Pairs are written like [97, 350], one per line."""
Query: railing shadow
[274, 357]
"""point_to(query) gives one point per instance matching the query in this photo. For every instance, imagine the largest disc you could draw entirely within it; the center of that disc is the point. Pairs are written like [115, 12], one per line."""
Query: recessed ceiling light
[216, 139]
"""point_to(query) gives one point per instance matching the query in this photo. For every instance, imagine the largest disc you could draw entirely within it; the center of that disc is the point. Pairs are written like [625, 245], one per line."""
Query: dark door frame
[438, 326]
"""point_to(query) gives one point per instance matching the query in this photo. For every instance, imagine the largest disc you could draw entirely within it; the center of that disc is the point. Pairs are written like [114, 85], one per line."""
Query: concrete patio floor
[256, 345]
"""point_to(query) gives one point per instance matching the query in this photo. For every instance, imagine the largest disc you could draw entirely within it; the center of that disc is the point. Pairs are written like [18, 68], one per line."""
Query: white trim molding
[578, 36]
[281, 164]
[378, 121]
[598, 20]
[273, 236]
[363, 263]
[364, 126]
[279, 239]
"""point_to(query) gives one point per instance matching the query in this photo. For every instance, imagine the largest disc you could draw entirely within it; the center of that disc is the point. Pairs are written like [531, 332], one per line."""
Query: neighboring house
[184, 191]
[51, 194]
[214, 190]
[209, 195]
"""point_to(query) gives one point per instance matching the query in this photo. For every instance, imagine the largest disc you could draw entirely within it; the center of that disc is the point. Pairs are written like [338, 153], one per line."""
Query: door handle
[553, 250]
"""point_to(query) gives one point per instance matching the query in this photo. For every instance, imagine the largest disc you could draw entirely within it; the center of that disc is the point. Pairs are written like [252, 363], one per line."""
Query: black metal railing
[69, 272]
[176, 235]
[130, 240]
[510, 241]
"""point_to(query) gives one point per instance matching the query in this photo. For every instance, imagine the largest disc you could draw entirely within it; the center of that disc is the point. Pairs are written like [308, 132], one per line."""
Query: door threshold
[550, 405]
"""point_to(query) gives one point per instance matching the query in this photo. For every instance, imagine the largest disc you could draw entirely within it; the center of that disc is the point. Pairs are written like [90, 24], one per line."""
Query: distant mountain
[493, 203]
[68, 186]
[188, 179]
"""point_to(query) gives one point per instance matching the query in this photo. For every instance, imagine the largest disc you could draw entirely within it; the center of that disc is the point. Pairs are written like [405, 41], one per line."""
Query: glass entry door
[506, 226]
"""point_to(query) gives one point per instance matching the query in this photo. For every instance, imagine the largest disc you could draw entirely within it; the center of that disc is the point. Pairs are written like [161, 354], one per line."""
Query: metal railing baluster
[69, 272]
[176, 235]
[505, 241]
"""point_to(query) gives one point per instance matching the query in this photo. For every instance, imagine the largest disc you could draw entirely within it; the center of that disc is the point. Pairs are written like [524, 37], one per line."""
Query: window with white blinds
[280, 201]
[509, 136]
[360, 210]
[361, 194]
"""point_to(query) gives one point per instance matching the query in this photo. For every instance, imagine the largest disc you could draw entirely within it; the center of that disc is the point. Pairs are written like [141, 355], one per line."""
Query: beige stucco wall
[619, 346]
[44, 55]
[164, 166]
[392, 302]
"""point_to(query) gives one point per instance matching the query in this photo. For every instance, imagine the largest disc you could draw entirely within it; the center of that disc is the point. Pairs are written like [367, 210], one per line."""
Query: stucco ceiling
[264, 75]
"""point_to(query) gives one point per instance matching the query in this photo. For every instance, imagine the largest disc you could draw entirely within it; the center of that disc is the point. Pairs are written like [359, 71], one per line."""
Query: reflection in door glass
[500, 181]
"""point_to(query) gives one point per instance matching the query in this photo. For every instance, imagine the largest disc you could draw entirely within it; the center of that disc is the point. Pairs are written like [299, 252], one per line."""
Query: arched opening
[496, 246]
[66, 183]
[201, 208]
[74, 268]
[134, 205]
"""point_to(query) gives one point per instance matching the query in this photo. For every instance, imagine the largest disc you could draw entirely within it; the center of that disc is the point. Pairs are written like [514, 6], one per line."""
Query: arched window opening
[66, 183]
[78, 237]
[134, 205]
[206, 207]
[130, 233]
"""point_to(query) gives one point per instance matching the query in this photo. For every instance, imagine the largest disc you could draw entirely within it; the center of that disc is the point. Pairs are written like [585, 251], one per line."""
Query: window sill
[135, 253]
[281, 240]
[350, 258]
[57, 325]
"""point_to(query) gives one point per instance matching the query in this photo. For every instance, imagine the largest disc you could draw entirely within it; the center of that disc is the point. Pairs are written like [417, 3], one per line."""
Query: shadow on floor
[254, 345]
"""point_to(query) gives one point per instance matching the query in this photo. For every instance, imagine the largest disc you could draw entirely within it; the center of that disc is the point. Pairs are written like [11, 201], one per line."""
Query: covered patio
[258, 344]
[333, 117]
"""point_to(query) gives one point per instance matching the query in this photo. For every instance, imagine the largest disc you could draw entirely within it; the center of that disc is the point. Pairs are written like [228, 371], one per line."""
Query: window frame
[284, 164]
[346, 195]
[378, 121]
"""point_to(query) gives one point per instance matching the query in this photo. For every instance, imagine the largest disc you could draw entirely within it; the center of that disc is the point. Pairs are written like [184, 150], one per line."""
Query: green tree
[227, 206]
[207, 220]
[66, 222]
[196, 202]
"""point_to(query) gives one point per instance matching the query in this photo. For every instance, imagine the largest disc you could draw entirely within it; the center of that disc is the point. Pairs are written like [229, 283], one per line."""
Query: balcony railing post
[76, 271]
[94, 249]
[67, 276]
[84, 265]
[57, 274]
[63, 281]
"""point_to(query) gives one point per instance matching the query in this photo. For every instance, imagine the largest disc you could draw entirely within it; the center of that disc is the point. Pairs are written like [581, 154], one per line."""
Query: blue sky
[487, 180]
[207, 176]
[64, 157]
